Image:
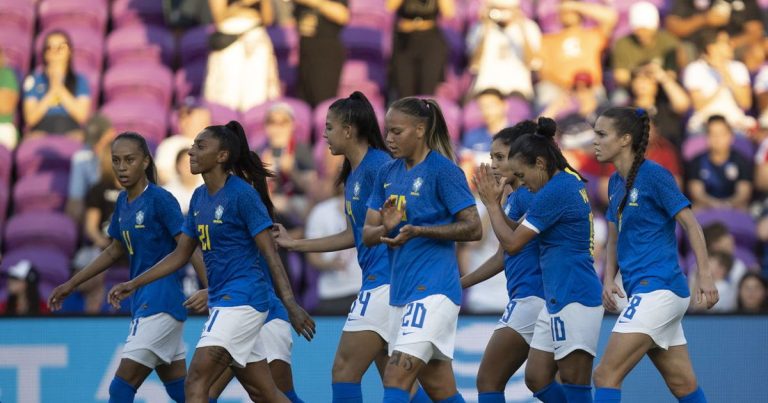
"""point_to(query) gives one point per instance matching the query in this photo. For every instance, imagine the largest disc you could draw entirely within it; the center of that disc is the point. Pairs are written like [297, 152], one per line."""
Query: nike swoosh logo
[351, 319]
[623, 321]
[407, 333]
[386, 185]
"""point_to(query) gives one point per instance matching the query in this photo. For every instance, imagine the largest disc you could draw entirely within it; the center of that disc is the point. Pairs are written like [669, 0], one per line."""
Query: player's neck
[137, 189]
[215, 179]
[624, 165]
[417, 157]
[356, 155]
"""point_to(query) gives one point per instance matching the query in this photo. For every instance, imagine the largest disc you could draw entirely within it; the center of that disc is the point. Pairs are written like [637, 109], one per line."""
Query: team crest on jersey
[633, 195]
[507, 209]
[416, 186]
[139, 219]
[356, 191]
[218, 213]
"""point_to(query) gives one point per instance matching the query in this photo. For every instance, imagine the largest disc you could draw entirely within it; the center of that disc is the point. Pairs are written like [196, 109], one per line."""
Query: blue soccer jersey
[561, 215]
[276, 308]
[433, 192]
[373, 261]
[522, 269]
[647, 247]
[146, 226]
[225, 224]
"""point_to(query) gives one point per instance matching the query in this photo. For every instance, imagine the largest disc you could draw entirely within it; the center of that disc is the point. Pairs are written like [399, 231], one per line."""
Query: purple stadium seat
[87, 43]
[455, 40]
[356, 71]
[146, 118]
[253, 121]
[5, 195]
[371, 14]
[188, 81]
[51, 229]
[694, 146]
[194, 43]
[44, 191]
[48, 153]
[739, 223]
[518, 109]
[137, 42]
[5, 166]
[17, 48]
[74, 13]
[364, 43]
[137, 12]
[19, 14]
[52, 264]
[220, 114]
[455, 85]
[139, 80]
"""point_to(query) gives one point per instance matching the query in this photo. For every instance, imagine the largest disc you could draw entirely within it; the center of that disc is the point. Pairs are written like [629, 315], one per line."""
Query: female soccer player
[352, 130]
[644, 205]
[425, 292]
[145, 222]
[508, 348]
[566, 333]
[229, 218]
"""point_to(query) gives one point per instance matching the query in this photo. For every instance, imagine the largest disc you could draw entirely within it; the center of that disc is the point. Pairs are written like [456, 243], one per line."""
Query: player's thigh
[256, 375]
[170, 372]
[576, 368]
[623, 352]
[402, 370]
[207, 365]
[356, 352]
[132, 372]
[675, 367]
[221, 383]
[282, 375]
[505, 353]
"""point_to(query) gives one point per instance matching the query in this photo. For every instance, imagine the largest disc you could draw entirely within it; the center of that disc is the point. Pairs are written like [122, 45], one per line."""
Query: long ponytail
[242, 161]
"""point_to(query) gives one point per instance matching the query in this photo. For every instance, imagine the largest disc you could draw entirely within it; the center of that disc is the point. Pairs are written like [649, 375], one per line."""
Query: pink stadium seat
[87, 43]
[138, 42]
[48, 153]
[18, 14]
[74, 13]
[41, 192]
[148, 119]
[137, 12]
[139, 80]
[254, 118]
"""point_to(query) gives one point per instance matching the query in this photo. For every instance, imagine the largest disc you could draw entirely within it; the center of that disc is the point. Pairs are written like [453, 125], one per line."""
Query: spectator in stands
[291, 161]
[719, 265]
[720, 177]
[419, 50]
[184, 182]
[647, 43]
[9, 101]
[193, 118]
[718, 84]
[574, 49]
[340, 274]
[242, 68]
[656, 90]
[753, 294]
[580, 104]
[85, 165]
[185, 14]
[493, 108]
[691, 19]
[99, 205]
[321, 52]
[503, 48]
[57, 99]
[23, 292]
[760, 88]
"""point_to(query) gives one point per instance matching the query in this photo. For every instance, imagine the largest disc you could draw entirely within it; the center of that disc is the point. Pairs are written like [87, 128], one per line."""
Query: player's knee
[343, 371]
[603, 377]
[489, 383]
[536, 381]
[681, 384]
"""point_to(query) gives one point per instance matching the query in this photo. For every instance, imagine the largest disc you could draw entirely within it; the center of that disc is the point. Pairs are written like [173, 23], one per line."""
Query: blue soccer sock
[607, 395]
[578, 393]
[552, 393]
[421, 396]
[175, 389]
[293, 397]
[396, 395]
[490, 397]
[121, 391]
[457, 398]
[347, 392]
[697, 396]
[211, 400]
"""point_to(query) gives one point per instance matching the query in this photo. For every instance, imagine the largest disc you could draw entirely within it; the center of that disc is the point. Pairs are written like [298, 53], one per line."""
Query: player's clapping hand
[705, 287]
[392, 213]
[407, 232]
[488, 187]
[120, 292]
[198, 302]
[282, 238]
[58, 295]
[302, 323]
[610, 292]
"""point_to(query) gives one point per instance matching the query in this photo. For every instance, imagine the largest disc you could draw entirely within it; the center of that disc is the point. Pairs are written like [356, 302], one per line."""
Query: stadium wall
[74, 359]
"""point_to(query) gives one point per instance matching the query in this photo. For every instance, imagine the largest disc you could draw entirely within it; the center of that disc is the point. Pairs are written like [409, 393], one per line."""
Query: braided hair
[636, 123]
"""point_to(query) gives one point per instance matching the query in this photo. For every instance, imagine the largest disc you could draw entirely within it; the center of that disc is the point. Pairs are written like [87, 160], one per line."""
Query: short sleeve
[81, 88]
[189, 222]
[170, 213]
[30, 87]
[114, 224]
[376, 199]
[253, 212]
[668, 195]
[533, 35]
[739, 73]
[760, 84]
[546, 208]
[692, 76]
[453, 190]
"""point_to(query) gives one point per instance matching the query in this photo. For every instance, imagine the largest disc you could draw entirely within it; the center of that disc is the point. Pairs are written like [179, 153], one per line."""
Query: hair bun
[546, 127]
[526, 126]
